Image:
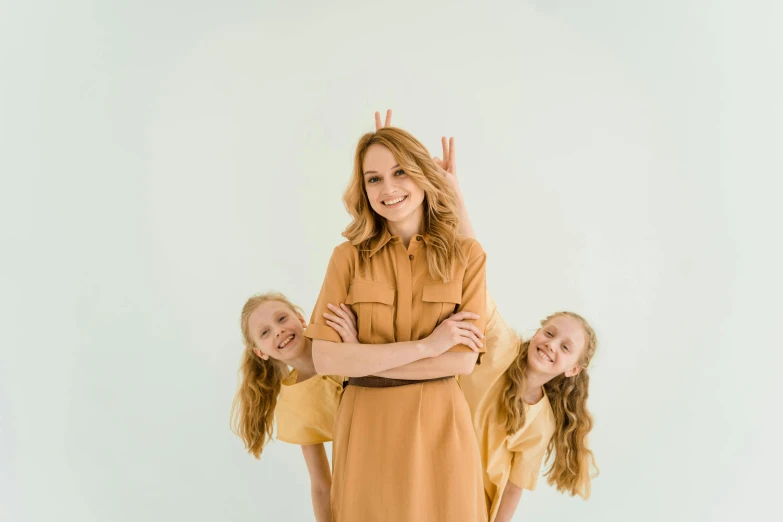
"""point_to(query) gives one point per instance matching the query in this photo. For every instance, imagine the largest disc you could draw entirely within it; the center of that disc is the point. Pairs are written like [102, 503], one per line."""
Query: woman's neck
[406, 229]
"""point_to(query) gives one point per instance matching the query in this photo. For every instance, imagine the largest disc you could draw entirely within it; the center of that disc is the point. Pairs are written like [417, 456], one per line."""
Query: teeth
[285, 343]
[394, 201]
[543, 355]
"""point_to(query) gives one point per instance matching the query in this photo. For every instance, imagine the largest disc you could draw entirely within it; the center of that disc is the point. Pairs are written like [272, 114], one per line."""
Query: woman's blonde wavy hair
[441, 220]
[253, 409]
[572, 461]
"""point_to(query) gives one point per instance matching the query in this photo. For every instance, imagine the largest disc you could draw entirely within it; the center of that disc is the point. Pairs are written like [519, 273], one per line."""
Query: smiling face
[391, 192]
[276, 331]
[557, 347]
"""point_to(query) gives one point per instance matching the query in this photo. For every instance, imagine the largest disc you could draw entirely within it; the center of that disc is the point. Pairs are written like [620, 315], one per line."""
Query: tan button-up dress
[407, 453]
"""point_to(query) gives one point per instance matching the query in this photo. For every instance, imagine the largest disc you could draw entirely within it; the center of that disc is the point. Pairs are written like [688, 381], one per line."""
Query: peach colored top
[305, 410]
[505, 458]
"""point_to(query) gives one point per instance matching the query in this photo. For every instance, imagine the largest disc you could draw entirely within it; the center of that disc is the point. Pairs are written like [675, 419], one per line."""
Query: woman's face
[392, 193]
[557, 347]
[276, 331]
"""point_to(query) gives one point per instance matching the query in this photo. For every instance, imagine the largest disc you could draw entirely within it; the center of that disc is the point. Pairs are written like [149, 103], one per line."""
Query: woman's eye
[565, 348]
[400, 172]
[548, 334]
[264, 333]
[373, 179]
[282, 318]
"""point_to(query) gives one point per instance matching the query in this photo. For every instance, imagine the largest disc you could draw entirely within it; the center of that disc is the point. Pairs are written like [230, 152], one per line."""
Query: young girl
[272, 330]
[536, 407]
[528, 399]
[404, 447]
[302, 404]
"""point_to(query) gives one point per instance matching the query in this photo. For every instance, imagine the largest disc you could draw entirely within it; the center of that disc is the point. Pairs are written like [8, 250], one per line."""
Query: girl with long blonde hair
[404, 447]
[302, 403]
[528, 399]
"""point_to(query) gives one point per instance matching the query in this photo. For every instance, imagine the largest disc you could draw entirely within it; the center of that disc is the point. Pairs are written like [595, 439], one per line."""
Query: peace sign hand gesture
[378, 125]
[448, 165]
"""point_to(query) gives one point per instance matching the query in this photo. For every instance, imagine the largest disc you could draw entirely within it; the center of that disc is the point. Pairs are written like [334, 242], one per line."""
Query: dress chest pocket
[373, 304]
[440, 301]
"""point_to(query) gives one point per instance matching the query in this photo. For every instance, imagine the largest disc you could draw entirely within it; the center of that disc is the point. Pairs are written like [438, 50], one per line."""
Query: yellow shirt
[305, 410]
[516, 458]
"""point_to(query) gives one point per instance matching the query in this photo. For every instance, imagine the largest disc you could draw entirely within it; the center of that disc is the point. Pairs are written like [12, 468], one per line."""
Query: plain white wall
[161, 161]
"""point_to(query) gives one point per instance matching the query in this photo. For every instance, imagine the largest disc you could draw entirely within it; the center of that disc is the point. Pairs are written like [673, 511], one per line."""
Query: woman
[404, 447]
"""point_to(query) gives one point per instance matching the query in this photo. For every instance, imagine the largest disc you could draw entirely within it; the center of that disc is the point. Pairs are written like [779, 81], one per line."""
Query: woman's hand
[378, 125]
[447, 167]
[457, 329]
[343, 322]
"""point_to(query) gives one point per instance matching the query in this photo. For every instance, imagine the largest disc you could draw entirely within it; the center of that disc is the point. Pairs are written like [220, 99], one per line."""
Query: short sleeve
[334, 290]
[529, 448]
[474, 291]
[496, 330]
[500, 339]
[305, 411]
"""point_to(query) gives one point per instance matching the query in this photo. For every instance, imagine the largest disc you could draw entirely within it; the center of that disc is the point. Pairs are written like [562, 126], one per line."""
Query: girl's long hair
[253, 409]
[571, 460]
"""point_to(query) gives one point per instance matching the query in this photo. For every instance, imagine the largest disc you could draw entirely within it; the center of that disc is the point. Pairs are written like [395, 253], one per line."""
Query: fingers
[348, 312]
[452, 157]
[471, 345]
[341, 311]
[470, 341]
[463, 316]
[471, 336]
[378, 125]
[342, 332]
[472, 327]
[445, 146]
[351, 318]
[344, 316]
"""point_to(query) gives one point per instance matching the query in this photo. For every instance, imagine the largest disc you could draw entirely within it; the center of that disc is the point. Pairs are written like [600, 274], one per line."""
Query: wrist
[423, 348]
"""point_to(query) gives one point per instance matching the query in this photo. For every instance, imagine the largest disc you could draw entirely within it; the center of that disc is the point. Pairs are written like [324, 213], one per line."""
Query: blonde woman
[526, 404]
[404, 447]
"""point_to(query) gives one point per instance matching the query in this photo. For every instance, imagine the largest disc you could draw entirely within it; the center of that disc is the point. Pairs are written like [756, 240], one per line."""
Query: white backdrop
[161, 161]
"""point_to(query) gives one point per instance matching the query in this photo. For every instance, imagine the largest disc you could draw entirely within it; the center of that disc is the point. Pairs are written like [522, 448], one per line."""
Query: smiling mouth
[286, 342]
[394, 202]
[543, 355]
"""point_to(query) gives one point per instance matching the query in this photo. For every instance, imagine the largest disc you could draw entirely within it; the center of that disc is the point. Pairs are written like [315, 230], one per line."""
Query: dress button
[410, 257]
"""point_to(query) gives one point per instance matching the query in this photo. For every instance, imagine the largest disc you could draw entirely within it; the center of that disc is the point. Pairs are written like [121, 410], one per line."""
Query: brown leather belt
[372, 381]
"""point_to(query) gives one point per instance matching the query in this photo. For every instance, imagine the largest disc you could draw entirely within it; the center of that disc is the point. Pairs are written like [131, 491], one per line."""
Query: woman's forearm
[359, 360]
[444, 365]
[508, 502]
[465, 226]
